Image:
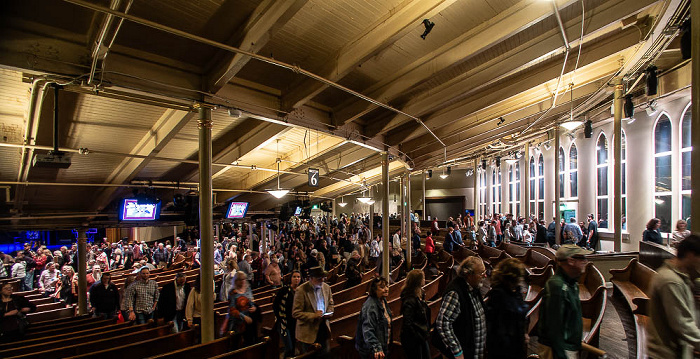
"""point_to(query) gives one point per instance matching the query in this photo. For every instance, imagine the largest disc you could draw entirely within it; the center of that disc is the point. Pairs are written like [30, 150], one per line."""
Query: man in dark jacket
[104, 297]
[461, 322]
[560, 324]
[173, 298]
[541, 235]
[161, 256]
[592, 233]
[352, 270]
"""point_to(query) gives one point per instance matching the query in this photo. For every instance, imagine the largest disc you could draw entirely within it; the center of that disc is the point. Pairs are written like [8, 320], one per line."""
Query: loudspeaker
[686, 40]
[483, 164]
[498, 162]
[588, 129]
[430, 175]
[652, 80]
[192, 210]
[629, 106]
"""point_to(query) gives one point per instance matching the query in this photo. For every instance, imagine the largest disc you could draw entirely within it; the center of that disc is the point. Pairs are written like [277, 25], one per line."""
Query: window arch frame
[665, 228]
[683, 150]
[561, 162]
[573, 172]
[540, 186]
[496, 190]
[602, 171]
[532, 204]
[483, 206]
[514, 188]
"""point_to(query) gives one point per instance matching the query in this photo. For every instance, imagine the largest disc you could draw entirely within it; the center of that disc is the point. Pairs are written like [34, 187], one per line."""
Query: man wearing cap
[560, 323]
[312, 309]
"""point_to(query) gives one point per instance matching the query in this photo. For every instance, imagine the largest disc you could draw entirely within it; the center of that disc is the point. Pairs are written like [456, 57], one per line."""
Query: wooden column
[409, 224]
[385, 216]
[82, 271]
[557, 187]
[205, 224]
[617, 163]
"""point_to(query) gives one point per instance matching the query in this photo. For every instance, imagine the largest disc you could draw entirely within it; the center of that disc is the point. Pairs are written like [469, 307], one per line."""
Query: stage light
[428, 27]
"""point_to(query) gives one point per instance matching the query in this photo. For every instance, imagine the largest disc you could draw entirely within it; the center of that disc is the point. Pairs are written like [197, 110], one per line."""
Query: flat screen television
[132, 210]
[297, 211]
[237, 210]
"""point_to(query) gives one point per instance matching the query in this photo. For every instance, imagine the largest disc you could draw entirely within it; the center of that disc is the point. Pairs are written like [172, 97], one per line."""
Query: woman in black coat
[652, 234]
[13, 310]
[415, 329]
[506, 312]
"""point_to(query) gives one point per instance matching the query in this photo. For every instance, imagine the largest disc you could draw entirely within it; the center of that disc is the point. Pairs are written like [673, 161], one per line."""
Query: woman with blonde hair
[415, 328]
[506, 312]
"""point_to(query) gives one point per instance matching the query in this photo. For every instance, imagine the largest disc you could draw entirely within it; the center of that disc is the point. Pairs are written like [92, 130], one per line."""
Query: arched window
[663, 169]
[514, 193]
[573, 171]
[623, 154]
[602, 181]
[562, 172]
[686, 147]
[482, 192]
[533, 176]
[496, 190]
[540, 187]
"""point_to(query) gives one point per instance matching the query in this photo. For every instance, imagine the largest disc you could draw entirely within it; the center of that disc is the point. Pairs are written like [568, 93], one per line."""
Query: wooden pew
[589, 282]
[537, 282]
[593, 310]
[73, 335]
[49, 306]
[201, 351]
[255, 351]
[66, 339]
[51, 314]
[634, 283]
[141, 347]
[535, 261]
[62, 321]
[92, 347]
[44, 332]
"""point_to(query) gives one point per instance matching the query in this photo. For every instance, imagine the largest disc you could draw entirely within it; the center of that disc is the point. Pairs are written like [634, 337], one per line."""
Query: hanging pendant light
[342, 202]
[279, 192]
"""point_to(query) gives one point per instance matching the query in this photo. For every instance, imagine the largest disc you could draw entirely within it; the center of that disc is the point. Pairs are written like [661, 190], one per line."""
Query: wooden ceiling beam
[266, 20]
[384, 32]
[604, 19]
[168, 125]
[534, 86]
[518, 17]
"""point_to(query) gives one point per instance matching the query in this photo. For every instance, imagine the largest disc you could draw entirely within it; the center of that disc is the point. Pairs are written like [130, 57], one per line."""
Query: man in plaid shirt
[142, 297]
[461, 321]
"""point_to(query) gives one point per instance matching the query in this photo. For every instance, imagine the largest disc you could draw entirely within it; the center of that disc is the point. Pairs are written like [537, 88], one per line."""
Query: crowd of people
[305, 250]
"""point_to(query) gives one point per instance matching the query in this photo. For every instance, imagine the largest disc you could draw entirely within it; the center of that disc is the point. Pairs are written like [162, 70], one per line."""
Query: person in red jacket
[429, 244]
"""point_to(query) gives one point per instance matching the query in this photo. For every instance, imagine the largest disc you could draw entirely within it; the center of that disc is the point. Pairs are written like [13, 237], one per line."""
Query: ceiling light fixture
[571, 124]
[279, 192]
[342, 202]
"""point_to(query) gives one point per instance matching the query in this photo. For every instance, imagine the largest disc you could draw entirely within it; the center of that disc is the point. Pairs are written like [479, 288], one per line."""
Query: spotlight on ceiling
[470, 172]
[651, 108]
[501, 121]
[547, 146]
[428, 27]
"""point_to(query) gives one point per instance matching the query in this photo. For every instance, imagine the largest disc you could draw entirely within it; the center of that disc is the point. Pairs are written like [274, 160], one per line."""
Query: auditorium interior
[409, 109]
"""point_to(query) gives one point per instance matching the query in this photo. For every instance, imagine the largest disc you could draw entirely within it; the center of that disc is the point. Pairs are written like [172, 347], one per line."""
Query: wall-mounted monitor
[237, 210]
[297, 211]
[133, 210]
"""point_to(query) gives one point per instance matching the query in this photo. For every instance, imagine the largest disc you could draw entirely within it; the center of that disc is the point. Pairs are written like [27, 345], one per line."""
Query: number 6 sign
[313, 177]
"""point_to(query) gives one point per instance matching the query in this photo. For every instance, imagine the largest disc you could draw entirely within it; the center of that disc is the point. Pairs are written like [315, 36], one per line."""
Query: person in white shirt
[48, 279]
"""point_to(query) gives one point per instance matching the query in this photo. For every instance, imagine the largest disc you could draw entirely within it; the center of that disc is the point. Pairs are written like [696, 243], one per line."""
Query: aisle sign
[313, 177]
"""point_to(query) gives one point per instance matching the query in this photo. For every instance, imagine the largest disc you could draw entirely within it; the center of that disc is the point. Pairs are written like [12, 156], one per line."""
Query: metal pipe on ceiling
[29, 133]
[73, 184]
[294, 68]
[114, 5]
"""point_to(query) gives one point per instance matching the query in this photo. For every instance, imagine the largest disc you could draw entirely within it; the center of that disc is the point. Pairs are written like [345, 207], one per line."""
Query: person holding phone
[312, 309]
